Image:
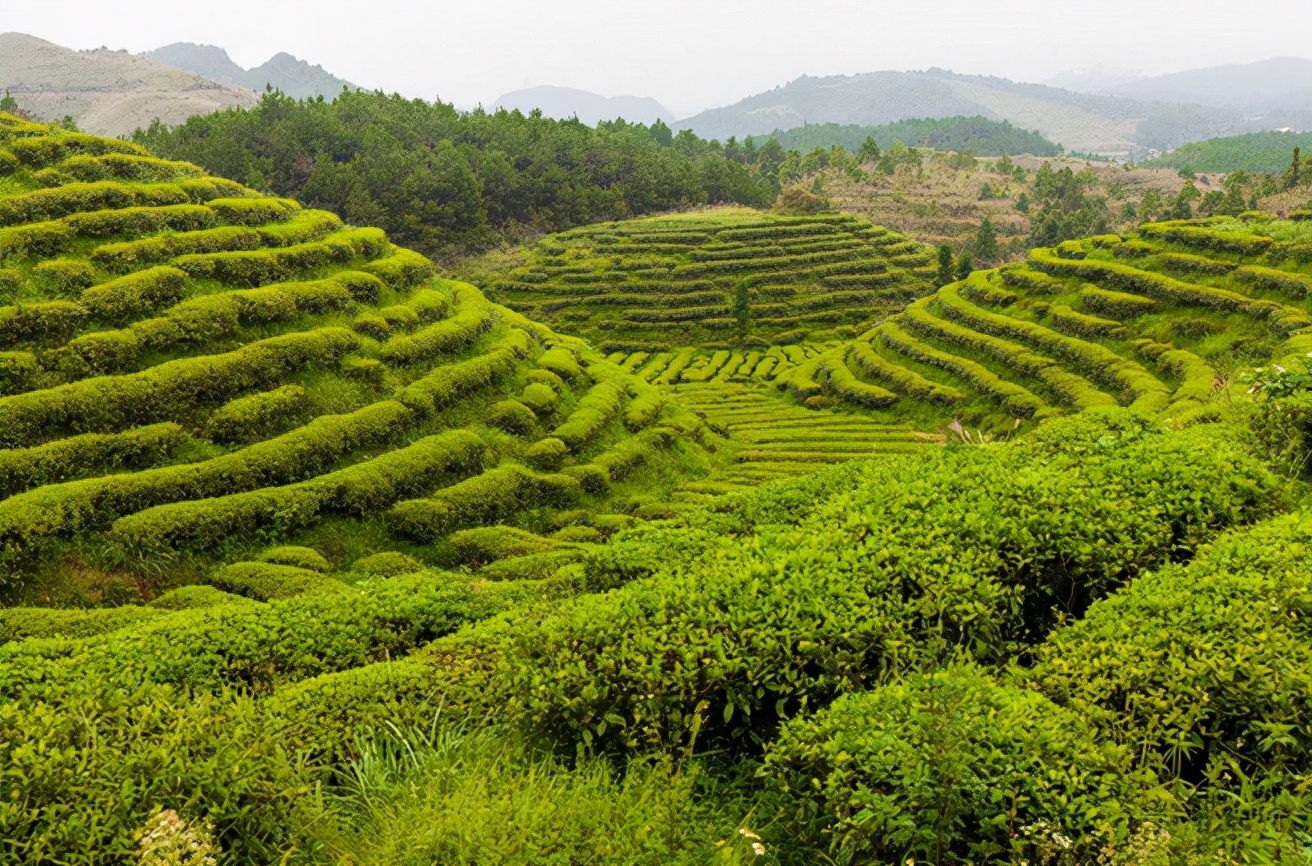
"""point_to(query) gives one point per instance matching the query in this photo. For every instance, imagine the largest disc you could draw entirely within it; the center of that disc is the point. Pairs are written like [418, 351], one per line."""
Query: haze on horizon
[687, 55]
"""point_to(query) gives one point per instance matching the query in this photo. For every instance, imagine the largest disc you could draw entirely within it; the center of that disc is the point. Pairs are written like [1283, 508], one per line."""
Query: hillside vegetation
[720, 279]
[309, 556]
[979, 135]
[1257, 151]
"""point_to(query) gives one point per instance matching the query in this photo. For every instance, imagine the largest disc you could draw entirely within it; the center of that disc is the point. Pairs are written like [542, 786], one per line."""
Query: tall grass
[471, 795]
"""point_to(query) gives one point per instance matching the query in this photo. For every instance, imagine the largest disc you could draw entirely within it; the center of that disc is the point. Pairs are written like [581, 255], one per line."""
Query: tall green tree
[986, 242]
[965, 265]
[946, 265]
[869, 152]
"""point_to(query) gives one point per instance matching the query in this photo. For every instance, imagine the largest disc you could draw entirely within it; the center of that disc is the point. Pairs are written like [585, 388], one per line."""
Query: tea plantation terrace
[721, 278]
[196, 374]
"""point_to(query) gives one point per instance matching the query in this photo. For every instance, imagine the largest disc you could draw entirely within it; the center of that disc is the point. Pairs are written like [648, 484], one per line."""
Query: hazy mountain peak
[286, 72]
[591, 108]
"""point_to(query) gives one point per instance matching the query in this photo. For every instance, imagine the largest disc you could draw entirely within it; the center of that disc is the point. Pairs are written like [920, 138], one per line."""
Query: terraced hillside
[1159, 320]
[718, 278]
[195, 375]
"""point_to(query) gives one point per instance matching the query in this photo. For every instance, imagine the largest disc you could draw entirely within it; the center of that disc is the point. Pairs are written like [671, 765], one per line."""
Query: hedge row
[1011, 396]
[1214, 654]
[39, 151]
[645, 407]
[141, 220]
[1084, 325]
[265, 581]
[977, 553]
[254, 211]
[118, 166]
[1072, 387]
[1193, 264]
[74, 198]
[308, 225]
[94, 503]
[51, 321]
[363, 488]
[1292, 284]
[402, 269]
[211, 317]
[471, 316]
[1198, 379]
[1093, 359]
[22, 623]
[136, 294]
[256, 267]
[591, 414]
[256, 416]
[1032, 280]
[492, 496]
[1204, 238]
[34, 239]
[1118, 305]
[446, 384]
[1283, 318]
[840, 379]
[24, 468]
[166, 391]
[627, 454]
[255, 647]
[905, 379]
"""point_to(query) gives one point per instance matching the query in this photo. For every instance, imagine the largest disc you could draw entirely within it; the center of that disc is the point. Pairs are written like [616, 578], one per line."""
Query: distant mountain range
[563, 103]
[284, 72]
[1269, 86]
[106, 92]
[1113, 125]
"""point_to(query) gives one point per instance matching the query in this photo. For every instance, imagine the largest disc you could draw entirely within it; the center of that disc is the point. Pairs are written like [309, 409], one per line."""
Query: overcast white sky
[688, 55]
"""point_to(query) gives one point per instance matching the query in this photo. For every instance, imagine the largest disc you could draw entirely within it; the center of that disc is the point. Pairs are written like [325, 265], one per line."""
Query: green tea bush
[39, 151]
[167, 390]
[63, 459]
[125, 256]
[254, 267]
[265, 581]
[196, 595]
[446, 384]
[843, 382]
[904, 568]
[253, 211]
[134, 295]
[472, 317]
[863, 355]
[591, 414]
[496, 494]
[1283, 318]
[387, 563]
[483, 544]
[47, 204]
[34, 240]
[1293, 285]
[62, 278]
[560, 361]
[141, 220]
[272, 512]
[512, 416]
[22, 623]
[49, 321]
[1205, 238]
[256, 416]
[402, 269]
[548, 454]
[1084, 325]
[540, 398]
[951, 767]
[1118, 305]
[1204, 670]
[18, 370]
[301, 557]
[123, 166]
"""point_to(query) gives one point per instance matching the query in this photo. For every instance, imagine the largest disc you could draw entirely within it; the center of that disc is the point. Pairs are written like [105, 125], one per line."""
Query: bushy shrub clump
[494, 495]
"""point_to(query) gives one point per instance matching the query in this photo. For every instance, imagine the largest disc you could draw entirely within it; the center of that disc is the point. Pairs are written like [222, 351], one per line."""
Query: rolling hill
[1090, 123]
[106, 92]
[1269, 152]
[1278, 85]
[292, 76]
[563, 103]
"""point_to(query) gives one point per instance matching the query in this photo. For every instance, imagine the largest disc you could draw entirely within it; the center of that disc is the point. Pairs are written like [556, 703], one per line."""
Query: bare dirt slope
[106, 92]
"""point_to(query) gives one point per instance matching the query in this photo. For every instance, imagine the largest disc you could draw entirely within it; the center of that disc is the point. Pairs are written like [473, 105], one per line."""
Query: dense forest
[1266, 151]
[981, 136]
[450, 182]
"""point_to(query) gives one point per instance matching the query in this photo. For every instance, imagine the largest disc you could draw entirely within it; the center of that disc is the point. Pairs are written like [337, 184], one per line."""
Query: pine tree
[1291, 176]
[869, 151]
[945, 265]
[986, 241]
[965, 264]
[1023, 203]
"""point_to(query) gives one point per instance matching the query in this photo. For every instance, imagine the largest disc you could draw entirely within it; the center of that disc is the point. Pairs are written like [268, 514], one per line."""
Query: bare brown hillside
[106, 92]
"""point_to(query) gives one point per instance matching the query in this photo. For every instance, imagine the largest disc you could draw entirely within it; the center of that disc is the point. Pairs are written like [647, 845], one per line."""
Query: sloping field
[1158, 320]
[716, 278]
[194, 374]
